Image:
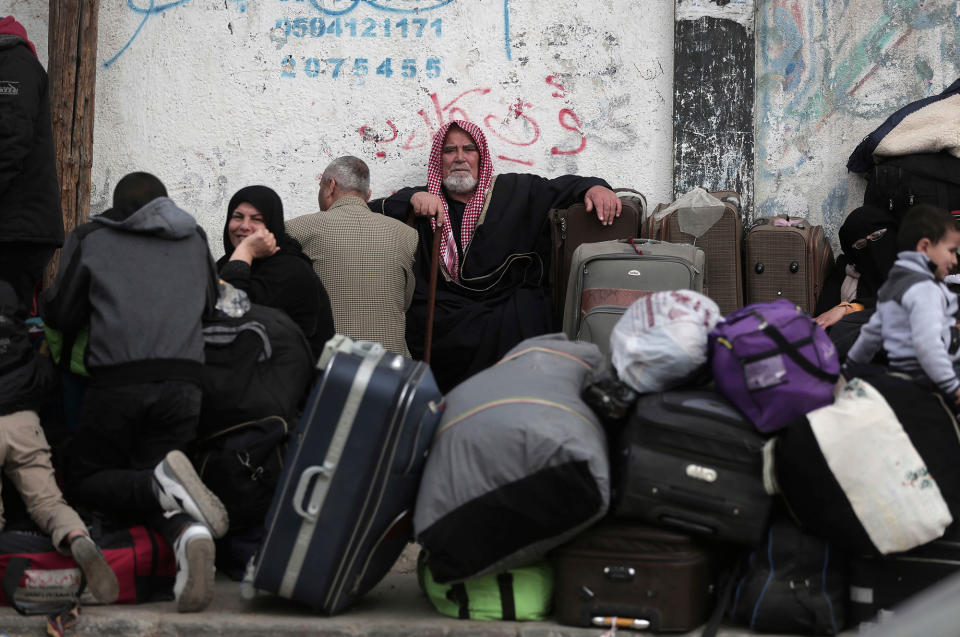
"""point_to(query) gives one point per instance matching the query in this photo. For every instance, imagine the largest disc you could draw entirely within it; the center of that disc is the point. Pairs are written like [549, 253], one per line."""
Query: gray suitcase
[606, 277]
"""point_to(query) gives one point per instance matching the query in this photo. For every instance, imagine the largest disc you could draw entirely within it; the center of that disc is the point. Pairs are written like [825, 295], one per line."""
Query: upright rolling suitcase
[690, 461]
[341, 515]
[721, 242]
[569, 227]
[661, 580]
[606, 277]
[786, 258]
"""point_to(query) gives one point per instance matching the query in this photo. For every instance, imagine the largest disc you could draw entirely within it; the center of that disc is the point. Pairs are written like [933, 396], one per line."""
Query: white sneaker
[194, 550]
[179, 489]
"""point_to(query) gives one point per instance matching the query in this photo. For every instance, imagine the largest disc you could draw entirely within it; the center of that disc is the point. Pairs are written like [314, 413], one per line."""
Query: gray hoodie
[915, 323]
[143, 284]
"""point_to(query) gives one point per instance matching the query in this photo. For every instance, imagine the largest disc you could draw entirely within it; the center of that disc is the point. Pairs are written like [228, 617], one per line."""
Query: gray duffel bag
[519, 463]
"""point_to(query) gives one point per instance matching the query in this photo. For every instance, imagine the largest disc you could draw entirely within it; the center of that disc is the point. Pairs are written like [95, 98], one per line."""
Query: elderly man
[494, 254]
[365, 260]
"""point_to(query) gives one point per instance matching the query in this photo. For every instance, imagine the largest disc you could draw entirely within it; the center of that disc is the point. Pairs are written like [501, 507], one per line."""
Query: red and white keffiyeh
[448, 246]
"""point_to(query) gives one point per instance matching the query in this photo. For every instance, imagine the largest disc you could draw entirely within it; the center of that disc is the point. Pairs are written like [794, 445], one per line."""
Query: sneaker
[179, 489]
[101, 580]
[193, 588]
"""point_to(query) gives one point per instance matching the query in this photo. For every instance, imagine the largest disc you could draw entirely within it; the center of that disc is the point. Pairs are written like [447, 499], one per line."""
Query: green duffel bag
[518, 594]
[55, 342]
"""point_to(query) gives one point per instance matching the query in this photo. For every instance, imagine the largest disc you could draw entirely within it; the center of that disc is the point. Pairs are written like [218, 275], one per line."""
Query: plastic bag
[697, 211]
[662, 338]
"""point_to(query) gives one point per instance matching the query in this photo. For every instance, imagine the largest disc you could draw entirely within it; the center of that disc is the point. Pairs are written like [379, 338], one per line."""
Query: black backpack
[898, 183]
[794, 583]
[257, 365]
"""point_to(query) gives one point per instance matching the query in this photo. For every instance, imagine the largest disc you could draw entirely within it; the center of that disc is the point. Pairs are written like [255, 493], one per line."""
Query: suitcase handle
[312, 510]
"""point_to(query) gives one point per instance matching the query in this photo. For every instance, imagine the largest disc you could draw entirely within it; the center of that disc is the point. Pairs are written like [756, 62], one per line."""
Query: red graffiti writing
[564, 116]
[517, 128]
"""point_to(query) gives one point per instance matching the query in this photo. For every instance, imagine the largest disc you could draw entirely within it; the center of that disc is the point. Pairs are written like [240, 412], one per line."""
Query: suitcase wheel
[758, 268]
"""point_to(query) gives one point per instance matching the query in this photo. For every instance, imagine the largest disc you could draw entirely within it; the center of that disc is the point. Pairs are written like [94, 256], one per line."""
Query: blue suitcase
[342, 512]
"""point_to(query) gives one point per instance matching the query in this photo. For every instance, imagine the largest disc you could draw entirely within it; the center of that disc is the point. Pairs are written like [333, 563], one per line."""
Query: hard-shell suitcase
[883, 582]
[607, 276]
[786, 258]
[663, 580]
[690, 461]
[569, 227]
[341, 514]
[722, 243]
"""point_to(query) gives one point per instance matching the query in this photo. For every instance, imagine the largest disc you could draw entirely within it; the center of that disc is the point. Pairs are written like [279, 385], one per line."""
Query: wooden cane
[432, 292]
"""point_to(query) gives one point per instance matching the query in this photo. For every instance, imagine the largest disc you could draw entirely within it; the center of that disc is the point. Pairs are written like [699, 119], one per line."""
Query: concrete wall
[214, 95]
[828, 73]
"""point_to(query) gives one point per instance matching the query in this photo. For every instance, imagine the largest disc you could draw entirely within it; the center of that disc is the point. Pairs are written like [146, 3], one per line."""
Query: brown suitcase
[662, 579]
[786, 257]
[722, 243]
[569, 227]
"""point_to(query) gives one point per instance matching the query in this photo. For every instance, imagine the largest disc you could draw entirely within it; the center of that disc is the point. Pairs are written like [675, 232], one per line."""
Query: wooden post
[72, 69]
[713, 95]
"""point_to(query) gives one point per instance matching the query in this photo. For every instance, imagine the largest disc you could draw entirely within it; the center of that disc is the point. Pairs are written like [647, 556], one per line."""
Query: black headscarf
[874, 260]
[268, 204]
[132, 193]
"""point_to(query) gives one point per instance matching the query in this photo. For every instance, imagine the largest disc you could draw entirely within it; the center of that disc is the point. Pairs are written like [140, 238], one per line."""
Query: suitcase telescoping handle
[313, 508]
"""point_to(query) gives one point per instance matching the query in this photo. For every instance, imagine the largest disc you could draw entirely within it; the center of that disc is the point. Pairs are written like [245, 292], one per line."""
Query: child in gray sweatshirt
[916, 317]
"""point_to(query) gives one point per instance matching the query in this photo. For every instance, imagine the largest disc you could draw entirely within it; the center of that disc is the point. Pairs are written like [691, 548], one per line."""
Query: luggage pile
[664, 464]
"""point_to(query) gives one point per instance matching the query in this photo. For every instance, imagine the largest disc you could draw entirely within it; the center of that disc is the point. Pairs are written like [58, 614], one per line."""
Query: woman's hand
[258, 245]
[831, 316]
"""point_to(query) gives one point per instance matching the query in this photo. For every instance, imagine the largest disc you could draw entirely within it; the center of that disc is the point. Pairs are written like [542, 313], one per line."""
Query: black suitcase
[690, 461]
[342, 512]
[659, 580]
[883, 582]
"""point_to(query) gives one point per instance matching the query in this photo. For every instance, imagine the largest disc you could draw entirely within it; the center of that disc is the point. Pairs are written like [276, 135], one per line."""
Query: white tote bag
[884, 478]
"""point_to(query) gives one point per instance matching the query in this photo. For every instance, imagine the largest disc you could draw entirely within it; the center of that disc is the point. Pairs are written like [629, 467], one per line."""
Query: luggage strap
[786, 347]
[16, 568]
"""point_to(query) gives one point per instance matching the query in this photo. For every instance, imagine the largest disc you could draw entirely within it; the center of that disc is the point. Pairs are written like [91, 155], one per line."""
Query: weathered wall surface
[214, 95]
[828, 73]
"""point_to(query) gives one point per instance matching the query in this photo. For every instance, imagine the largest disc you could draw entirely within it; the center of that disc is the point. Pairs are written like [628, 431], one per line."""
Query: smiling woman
[270, 266]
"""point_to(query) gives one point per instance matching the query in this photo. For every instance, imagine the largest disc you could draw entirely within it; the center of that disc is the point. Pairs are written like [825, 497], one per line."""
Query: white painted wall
[205, 96]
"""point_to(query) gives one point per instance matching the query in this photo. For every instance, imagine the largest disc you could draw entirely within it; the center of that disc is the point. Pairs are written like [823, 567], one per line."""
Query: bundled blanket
[929, 125]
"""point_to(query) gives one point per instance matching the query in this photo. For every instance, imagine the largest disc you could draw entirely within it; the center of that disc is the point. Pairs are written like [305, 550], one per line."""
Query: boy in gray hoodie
[916, 317]
[141, 278]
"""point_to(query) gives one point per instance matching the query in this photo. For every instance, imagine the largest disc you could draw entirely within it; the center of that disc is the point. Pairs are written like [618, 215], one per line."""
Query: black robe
[503, 296]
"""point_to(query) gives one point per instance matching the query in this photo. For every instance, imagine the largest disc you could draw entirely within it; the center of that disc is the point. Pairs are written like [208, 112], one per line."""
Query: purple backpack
[774, 363]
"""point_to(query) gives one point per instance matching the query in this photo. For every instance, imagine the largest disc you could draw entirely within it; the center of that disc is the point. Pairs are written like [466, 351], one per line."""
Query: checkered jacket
[365, 261]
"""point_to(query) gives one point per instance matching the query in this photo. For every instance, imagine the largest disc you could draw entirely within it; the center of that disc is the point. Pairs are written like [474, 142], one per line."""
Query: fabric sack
[795, 584]
[774, 363]
[256, 365]
[518, 465]
[850, 473]
[242, 466]
[40, 580]
[662, 338]
[521, 594]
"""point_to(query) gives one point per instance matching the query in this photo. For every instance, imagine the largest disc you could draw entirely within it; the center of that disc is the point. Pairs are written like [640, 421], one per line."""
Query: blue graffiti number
[366, 28]
[329, 7]
[314, 67]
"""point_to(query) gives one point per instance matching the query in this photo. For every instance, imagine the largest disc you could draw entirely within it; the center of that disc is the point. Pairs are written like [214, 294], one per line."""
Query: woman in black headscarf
[868, 238]
[262, 260]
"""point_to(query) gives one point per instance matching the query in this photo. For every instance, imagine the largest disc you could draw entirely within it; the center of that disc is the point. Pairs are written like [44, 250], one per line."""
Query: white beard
[460, 182]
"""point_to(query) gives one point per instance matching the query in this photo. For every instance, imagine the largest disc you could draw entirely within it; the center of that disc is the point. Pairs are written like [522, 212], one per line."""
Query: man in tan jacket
[364, 259]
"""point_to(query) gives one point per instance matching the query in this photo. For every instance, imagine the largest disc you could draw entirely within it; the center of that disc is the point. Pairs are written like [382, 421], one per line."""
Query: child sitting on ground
[26, 379]
[916, 317]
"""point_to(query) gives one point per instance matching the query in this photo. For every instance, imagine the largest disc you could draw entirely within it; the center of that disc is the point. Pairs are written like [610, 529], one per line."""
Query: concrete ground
[394, 607]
